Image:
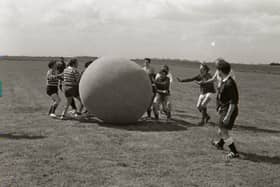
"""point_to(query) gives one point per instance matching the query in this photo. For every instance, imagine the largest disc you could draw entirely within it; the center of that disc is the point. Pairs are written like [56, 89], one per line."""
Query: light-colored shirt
[219, 80]
[71, 76]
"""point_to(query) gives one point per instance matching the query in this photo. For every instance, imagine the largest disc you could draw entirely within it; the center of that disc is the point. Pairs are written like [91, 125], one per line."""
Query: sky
[240, 31]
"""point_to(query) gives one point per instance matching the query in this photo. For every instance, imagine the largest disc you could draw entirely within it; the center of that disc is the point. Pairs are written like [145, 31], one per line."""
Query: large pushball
[115, 90]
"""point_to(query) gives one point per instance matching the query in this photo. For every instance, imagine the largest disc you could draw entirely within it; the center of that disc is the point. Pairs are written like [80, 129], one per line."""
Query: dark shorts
[228, 126]
[71, 91]
[52, 90]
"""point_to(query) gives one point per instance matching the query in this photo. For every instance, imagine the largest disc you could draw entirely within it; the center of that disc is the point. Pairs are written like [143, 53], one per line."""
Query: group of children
[66, 78]
[227, 97]
[161, 90]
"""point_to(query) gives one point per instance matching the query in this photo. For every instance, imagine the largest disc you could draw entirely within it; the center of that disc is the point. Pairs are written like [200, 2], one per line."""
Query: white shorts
[204, 99]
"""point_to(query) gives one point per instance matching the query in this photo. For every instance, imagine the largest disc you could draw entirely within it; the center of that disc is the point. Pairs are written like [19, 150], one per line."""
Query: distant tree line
[274, 64]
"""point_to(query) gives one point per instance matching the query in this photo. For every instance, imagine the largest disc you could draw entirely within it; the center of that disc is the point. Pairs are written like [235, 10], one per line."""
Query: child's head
[87, 64]
[163, 73]
[73, 63]
[52, 64]
[224, 68]
[166, 68]
[147, 61]
[204, 69]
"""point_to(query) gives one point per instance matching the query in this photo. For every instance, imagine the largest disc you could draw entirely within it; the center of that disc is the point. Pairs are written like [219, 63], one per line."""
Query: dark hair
[166, 67]
[51, 63]
[72, 62]
[88, 63]
[148, 60]
[205, 67]
[163, 71]
[223, 66]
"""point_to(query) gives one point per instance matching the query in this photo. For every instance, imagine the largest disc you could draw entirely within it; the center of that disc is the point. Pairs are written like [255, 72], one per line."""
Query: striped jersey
[52, 78]
[71, 76]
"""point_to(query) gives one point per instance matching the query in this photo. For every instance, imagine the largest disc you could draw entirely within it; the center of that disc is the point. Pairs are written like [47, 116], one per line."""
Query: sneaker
[72, 112]
[215, 144]
[77, 114]
[52, 115]
[62, 117]
[232, 155]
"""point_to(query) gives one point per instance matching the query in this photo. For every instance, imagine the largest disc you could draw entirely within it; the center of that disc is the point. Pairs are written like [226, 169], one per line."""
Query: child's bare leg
[68, 103]
[228, 140]
[81, 105]
[204, 104]
[156, 105]
[167, 107]
[56, 101]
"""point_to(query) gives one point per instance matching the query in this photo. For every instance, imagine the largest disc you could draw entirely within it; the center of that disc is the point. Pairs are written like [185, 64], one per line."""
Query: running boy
[206, 91]
[228, 98]
[162, 84]
[71, 78]
[52, 87]
[151, 73]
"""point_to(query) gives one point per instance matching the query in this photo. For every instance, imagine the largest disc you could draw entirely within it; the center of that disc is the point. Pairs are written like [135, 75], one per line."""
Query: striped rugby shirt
[52, 78]
[71, 76]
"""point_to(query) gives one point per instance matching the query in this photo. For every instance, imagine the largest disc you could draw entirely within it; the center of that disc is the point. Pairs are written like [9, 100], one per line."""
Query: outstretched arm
[209, 80]
[189, 79]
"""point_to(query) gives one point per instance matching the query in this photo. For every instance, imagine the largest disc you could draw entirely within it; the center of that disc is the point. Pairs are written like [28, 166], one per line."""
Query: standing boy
[151, 73]
[206, 91]
[162, 84]
[227, 102]
[52, 87]
[71, 78]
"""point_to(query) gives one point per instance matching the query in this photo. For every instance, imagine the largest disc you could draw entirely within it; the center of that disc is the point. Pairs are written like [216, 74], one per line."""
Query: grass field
[36, 150]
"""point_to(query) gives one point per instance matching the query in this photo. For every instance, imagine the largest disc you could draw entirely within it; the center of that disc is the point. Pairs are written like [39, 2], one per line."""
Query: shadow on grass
[15, 136]
[260, 158]
[27, 109]
[184, 114]
[145, 125]
[250, 128]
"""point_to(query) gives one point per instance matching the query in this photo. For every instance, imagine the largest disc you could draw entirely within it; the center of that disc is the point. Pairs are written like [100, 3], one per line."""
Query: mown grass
[38, 151]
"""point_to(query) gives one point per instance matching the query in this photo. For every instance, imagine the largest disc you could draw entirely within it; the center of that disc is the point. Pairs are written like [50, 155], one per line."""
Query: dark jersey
[206, 87]
[227, 94]
[163, 85]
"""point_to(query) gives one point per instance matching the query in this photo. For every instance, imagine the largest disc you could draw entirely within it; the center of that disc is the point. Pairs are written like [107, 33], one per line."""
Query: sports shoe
[52, 115]
[217, 145]
[62, 117]
[232, 155]
[72, 112]
[77, 114]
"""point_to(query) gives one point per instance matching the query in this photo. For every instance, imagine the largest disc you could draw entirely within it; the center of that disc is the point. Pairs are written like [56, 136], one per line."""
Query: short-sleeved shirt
[71, 76]
[207, 87]
[52, 78]
[219, 78]
[163, 85]
[227, 94]
[169, 75]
